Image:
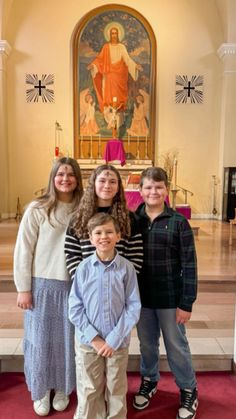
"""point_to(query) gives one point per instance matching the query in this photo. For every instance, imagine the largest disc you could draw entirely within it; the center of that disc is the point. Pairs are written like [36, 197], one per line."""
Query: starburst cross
[39, 88]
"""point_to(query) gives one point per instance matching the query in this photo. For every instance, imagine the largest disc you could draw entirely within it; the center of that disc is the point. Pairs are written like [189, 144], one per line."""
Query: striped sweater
[77, 249]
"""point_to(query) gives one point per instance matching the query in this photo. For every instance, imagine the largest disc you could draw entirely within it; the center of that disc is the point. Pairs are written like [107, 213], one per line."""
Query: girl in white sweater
[43, 286]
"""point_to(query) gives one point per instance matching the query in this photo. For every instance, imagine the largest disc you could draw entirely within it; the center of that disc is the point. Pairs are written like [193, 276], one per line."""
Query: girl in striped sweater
[105, 193]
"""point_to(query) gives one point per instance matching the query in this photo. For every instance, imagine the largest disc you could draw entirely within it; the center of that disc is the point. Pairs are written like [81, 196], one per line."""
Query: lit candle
[114, 99]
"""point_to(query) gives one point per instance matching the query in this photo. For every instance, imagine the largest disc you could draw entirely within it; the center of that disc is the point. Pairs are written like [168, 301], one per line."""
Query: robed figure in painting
[110, 71]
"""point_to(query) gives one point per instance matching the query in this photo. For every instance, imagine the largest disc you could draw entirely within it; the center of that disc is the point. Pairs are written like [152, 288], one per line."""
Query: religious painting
[114, 53]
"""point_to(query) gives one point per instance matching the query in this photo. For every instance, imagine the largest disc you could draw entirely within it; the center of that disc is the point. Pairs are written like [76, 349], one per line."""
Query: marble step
[211, 358]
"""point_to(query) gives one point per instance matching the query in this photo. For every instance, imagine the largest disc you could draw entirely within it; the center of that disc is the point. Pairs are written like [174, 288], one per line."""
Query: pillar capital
[228, 49]
[5, 47]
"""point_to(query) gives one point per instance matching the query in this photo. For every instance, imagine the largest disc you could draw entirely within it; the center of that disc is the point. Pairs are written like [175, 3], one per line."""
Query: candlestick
[58, 128]
[138, 152]
[81, 147]
[91, 147]
[128, 144]
[146, 148]
[175, 173]
[99, 146]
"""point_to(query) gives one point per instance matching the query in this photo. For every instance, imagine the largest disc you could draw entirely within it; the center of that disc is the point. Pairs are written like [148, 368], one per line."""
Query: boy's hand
[97, 343]
[106, 351]
[24, 300]
[182, 316]
[101, 347]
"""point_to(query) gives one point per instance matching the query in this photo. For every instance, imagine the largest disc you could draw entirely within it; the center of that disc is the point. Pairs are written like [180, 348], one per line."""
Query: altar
[184, 209]
[88, 165]
[114, 151]
[133, 198]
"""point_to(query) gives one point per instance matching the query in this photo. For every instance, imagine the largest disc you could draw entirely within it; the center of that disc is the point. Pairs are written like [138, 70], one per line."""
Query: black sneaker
[188, 404]
[147, 389]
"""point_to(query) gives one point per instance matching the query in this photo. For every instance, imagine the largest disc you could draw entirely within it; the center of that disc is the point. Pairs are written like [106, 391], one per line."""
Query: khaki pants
[101, 384]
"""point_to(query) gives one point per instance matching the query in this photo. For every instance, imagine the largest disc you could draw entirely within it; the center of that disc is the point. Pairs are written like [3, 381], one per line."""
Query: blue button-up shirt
[104, 300]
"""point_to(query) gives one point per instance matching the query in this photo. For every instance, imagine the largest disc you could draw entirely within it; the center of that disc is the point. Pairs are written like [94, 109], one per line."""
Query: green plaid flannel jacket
[168, 278]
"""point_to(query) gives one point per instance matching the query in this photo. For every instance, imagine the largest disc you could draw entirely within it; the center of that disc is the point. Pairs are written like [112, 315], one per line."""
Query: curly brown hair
[89, 204]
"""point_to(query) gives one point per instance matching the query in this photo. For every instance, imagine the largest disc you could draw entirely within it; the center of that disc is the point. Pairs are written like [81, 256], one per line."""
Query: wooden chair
[133, 180]
[231, 223]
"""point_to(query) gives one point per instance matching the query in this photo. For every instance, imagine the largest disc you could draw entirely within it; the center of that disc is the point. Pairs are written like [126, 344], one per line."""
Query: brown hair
[154, 173]
[101, 219]
[49, 198]
[89, 204]
[117, 32]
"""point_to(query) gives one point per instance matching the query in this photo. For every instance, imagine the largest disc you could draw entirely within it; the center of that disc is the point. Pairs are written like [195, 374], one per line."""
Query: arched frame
[134, 112]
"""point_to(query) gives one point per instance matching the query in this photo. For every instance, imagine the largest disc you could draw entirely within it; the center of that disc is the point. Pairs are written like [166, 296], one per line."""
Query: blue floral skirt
[49, 339]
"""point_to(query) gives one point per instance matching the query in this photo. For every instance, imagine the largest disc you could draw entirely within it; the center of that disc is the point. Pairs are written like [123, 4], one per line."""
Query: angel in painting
[139, 123]
[88, 124]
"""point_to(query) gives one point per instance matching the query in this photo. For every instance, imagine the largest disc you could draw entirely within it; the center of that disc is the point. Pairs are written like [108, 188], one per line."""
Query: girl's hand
[24, 300]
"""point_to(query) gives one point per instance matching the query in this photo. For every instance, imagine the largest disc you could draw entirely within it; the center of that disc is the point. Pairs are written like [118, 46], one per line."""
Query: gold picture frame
[126, 106]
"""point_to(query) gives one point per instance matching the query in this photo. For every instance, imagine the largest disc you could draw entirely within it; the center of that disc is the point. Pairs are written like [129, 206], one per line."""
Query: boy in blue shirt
[104, 306]
[168, 289]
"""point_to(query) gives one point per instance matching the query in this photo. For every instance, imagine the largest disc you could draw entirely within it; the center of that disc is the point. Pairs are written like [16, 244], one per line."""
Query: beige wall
[188, 34]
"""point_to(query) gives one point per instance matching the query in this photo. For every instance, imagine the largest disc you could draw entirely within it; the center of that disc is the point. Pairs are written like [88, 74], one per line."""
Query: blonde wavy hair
[89, 205]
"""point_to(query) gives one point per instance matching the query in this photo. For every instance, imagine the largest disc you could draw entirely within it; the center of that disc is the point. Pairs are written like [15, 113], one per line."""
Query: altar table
[184, 209]
[134, 199]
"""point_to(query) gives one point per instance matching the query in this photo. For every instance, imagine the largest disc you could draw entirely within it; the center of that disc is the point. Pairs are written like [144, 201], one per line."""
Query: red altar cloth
[115, 151]
[133, 199]
[184, 210]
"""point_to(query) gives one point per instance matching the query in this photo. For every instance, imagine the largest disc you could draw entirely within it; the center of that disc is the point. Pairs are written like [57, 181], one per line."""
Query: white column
[227, 53]
[4, 152]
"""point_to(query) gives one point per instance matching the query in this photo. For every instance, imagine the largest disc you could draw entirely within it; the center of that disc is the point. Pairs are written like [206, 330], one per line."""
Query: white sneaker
[188, 404]
[60, 401]
[42, 407]
[147, 389]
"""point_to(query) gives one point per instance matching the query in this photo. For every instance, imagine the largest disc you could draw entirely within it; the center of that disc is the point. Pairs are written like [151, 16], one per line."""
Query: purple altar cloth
[184, 210]
[133, 199]
[115, 151]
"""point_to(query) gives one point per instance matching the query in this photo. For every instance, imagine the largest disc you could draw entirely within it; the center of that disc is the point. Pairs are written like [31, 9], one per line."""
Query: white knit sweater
[39, 250]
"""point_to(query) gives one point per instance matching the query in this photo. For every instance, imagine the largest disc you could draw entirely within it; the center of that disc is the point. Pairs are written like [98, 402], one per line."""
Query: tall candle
[175, 173]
